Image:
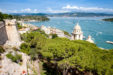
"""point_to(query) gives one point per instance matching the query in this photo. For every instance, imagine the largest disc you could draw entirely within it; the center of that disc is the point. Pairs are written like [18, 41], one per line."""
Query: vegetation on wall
[1, 49]
[62, 56]
[15, 58]
[19, 26]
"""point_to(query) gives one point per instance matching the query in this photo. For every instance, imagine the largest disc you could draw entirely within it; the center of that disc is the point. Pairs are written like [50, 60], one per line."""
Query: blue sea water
[101, 31]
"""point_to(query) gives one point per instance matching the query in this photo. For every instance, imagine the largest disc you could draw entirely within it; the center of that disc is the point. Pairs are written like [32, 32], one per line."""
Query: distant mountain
[69, 14]
[79, 14]
[29, 14]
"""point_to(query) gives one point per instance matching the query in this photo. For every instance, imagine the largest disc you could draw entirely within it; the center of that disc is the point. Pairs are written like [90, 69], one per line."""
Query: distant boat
[110, 42]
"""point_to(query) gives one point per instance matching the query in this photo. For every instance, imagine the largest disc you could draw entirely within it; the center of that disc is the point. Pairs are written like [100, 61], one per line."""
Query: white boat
[110, 42]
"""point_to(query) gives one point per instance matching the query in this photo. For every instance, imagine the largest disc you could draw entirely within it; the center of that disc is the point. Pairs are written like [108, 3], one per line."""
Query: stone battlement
[9, 32]
[10, 22]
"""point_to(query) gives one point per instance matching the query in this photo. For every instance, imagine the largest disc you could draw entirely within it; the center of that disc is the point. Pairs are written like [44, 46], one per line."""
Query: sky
[56, 6]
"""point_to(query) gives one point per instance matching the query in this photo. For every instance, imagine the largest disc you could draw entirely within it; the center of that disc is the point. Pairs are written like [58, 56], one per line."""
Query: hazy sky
[55, 6]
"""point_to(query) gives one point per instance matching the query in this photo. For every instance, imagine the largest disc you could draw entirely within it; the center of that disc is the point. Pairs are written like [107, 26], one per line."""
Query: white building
[89, 39]
[77, 33]
[45, 29]
[49, 30]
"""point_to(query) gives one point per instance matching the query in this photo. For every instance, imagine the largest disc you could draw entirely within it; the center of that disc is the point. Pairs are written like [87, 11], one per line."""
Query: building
[89, 39]
[49, 30]
[77, 33]
[45, 29]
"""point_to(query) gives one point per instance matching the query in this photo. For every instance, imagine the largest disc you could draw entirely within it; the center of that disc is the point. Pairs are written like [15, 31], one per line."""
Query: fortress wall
[9, 35]
[12, 33]
[3, 34]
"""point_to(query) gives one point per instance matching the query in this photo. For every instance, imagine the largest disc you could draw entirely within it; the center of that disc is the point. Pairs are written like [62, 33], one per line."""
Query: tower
[89, 39]
[77, 33]
[12, 33]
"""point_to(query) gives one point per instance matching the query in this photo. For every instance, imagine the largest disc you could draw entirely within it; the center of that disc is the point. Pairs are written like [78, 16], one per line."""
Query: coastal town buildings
[49, 30]
[77, 33]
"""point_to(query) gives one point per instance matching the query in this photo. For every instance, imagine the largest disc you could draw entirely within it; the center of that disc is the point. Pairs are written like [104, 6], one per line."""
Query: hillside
[31, 17]
[108, 19]
[23, 18]
[5, 16]
[62, 56]
[79, 14]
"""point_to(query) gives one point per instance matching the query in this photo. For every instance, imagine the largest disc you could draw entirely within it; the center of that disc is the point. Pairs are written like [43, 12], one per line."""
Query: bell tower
[77, 33]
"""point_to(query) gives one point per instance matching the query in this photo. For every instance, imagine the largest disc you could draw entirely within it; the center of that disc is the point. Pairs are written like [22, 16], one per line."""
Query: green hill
[108, 19]
[5, 16]
[61, 56]
[23, 18]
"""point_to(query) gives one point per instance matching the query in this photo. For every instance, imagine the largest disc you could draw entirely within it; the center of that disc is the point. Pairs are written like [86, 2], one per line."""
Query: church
[77, 34]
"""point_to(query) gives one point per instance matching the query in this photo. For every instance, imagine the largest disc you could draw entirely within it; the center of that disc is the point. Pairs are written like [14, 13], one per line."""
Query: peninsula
[108, 19]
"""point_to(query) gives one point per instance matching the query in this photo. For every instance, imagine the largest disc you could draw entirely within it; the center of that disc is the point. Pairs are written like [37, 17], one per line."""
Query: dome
[89, 39]
[77, 27]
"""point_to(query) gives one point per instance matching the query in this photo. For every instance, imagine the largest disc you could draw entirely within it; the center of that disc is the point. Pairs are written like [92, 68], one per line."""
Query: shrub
[1, 49]
[15, 58]
[19, 26]
[54, 36]
[66, 33]
[15, 49]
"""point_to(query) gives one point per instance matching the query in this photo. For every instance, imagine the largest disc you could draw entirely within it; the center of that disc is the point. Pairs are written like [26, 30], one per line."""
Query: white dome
[77, 27]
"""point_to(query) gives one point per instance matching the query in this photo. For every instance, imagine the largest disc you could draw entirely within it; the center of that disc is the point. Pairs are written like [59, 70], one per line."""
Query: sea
[101, 31]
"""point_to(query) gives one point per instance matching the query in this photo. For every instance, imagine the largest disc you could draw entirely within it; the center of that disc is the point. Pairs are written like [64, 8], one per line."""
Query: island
[108, 19]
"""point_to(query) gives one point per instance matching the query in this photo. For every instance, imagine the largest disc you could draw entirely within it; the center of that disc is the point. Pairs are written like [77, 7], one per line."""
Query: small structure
[77, 33]
[89, 39]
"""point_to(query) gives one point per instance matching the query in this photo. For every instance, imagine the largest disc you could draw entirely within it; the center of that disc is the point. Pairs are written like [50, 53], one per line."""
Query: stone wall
[9, 35]
[3, 33]
[12, 33]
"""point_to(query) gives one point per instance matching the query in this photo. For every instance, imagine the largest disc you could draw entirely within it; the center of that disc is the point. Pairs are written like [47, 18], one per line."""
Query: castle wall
[12, 33]
[3, 33]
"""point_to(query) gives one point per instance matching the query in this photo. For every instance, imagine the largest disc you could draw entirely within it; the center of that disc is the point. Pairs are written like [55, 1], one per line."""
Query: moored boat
[110, 42]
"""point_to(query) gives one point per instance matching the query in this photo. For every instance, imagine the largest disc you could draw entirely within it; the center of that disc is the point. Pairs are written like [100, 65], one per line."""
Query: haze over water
[101, 31]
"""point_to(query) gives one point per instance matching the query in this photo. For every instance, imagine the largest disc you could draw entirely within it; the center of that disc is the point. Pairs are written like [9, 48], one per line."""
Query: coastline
[67, 25]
